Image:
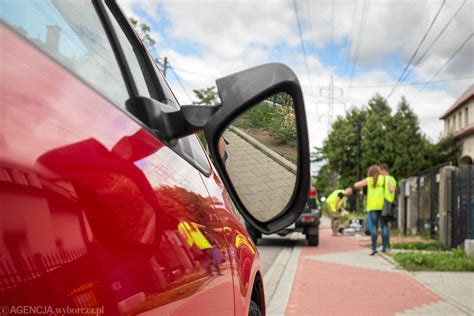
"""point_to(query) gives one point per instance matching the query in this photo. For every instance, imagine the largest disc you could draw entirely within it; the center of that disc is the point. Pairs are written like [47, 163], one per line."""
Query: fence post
[445, 204]
[412, 207]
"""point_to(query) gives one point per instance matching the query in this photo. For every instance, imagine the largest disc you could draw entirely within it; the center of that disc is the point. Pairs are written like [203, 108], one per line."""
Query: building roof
[466, 96]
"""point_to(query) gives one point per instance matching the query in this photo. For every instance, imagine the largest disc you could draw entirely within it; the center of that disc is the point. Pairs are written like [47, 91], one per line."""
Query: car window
[71, 33]
[190, 149]
[136, 69]
[187, 147]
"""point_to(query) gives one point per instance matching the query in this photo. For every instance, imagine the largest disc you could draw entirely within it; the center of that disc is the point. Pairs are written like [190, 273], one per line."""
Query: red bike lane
[340, 278]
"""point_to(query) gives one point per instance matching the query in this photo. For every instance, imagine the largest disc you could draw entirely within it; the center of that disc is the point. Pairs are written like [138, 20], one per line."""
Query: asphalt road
[270, 247]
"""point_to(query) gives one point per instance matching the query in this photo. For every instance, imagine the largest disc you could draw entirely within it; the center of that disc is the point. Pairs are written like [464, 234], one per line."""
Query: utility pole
[359, 156]
[165, 66]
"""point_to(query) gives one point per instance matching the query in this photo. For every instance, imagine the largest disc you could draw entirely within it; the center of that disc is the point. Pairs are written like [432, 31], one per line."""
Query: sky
[357, 47]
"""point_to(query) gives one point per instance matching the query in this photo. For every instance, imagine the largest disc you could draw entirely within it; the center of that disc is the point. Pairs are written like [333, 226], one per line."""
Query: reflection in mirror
[259, 150]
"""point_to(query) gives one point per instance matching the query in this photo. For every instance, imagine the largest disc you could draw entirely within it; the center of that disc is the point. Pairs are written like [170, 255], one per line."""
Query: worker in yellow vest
[335, 205]
[375, 183]
[193, 236]
[389, 195]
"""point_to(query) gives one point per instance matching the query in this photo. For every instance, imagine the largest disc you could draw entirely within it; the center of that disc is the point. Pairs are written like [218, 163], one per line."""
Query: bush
[257, 117]
[278, 121]
[436, 261]
[432, 245]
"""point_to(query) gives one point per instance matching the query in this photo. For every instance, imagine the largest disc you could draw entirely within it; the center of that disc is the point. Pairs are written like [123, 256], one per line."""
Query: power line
[332, 33]
[360, 37]
[434, 41]
[308, 2]
[447, 62]
[348, 57]
[298, 22]
[180, 82]
[196, 73]
[417, 49]
[408, 83]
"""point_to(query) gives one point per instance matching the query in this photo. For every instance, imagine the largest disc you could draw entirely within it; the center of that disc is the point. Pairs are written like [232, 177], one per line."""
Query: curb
[281, 279]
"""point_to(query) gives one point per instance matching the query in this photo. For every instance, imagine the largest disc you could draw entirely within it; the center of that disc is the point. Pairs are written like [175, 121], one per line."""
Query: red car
[108, 202]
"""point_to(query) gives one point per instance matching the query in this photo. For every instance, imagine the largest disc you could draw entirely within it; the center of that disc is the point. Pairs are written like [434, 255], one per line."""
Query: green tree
[395, 139]
[206, 96]
[446, 150]
[326, 181]
[409, 143]
[143, 31]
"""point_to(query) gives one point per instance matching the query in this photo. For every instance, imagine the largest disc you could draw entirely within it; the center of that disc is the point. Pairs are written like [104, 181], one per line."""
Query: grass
[417, 245]
[454, 260]
[279, 122]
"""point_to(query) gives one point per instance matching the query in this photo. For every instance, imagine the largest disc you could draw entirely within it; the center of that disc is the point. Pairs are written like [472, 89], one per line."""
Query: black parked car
[307, 223]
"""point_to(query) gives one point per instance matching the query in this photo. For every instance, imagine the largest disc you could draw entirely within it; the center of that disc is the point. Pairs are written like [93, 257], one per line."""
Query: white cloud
[234, 35]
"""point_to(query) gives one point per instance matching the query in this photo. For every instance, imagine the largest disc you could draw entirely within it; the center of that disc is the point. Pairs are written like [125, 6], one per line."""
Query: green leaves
[206, 96]
[143, 31]
[373, 135]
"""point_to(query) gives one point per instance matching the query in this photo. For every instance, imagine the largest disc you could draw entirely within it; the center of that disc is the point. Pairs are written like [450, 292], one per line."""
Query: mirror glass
[259, 150]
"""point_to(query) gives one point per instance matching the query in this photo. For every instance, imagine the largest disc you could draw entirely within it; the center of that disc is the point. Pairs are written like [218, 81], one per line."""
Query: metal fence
[462, 205]
[427, 201]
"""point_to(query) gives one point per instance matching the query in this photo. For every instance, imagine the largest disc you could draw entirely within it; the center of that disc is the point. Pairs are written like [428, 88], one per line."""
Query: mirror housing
[170, 126]
[239, 92]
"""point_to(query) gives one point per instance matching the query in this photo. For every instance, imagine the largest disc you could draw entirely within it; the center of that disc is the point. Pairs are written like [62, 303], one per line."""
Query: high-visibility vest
[194, 235]
[331, 200]
[375, 194]
[390, 196]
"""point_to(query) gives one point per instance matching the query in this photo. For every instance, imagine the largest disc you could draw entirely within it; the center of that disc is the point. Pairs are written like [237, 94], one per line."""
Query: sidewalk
[340, 278]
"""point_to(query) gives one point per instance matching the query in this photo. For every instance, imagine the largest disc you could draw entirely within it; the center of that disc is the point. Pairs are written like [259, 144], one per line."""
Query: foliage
[275, 116]
[143, 31]
[206, 96]
[435, 261]
[446, 150]
[431, 245]
[326, 181]
[283, 125]
[373, 135]
[257, 117]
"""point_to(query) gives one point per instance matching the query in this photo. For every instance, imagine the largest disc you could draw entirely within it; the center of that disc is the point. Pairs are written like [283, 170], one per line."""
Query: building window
[460, 120]
[466, 116]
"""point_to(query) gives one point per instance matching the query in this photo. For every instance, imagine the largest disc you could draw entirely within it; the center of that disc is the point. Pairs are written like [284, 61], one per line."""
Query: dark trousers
[377, 219]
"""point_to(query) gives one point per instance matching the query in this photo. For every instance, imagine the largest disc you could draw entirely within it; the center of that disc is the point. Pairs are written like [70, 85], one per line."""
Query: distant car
[307, 223]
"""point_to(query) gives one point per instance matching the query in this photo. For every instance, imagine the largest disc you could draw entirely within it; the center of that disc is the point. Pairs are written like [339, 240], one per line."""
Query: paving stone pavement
[261, 177]
[456, 287]
[340, 278]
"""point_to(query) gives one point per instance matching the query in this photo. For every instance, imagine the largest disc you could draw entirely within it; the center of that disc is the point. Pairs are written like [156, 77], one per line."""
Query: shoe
[373, 252]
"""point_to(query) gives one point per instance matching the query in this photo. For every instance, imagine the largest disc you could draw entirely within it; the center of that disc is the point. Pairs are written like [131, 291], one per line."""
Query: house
[459, 122]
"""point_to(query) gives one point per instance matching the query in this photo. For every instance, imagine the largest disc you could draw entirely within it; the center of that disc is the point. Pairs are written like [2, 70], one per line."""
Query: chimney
[52, 38]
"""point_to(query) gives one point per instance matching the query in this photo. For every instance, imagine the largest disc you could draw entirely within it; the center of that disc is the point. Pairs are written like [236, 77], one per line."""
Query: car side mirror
[269, 185]
[258, 140]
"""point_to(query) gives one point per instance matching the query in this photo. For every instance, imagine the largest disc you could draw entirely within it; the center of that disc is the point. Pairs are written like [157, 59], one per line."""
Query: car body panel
[95, 211]
[242, 251]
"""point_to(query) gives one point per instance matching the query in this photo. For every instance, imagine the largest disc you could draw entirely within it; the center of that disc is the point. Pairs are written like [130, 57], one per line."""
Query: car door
[97, 213]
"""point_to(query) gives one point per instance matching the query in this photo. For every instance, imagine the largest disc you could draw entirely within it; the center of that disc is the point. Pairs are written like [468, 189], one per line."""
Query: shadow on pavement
[281, 242]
